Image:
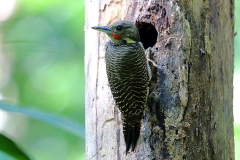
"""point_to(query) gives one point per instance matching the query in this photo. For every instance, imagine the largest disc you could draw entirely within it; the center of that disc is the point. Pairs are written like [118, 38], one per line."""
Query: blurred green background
[42, 58]
[42, 67]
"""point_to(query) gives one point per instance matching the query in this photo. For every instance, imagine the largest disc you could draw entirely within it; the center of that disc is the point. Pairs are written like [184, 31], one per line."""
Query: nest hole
[148, 34]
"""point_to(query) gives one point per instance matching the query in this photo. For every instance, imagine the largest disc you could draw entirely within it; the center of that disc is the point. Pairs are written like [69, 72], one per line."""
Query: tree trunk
[190, 109]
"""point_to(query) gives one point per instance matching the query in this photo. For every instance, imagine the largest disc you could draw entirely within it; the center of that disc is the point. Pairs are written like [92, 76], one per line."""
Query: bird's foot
[150, 62]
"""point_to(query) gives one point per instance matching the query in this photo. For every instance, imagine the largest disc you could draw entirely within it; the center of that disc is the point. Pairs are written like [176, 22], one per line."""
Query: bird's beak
[104, 29]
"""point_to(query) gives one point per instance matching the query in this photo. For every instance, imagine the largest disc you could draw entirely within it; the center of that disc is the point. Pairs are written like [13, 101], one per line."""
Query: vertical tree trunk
[190, 110]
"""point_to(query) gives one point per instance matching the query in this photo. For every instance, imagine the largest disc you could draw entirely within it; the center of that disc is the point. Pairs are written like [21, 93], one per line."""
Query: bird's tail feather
[131, 134]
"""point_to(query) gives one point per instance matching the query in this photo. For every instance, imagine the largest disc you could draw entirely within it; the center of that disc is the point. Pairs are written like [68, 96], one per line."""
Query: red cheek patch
[117, 37]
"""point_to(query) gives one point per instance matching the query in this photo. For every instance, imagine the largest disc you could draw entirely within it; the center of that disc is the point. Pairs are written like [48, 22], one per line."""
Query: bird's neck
[119, 42]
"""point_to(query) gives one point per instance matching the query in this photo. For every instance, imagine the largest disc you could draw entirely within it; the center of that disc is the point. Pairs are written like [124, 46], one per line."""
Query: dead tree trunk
[190, 109]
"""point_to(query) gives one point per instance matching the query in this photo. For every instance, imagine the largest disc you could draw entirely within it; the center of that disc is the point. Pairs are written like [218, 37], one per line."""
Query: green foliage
[11, 149]
[237, 140]
[237, 37]
[5, 156]
[44, 41]
[237, 72]
[56, 121]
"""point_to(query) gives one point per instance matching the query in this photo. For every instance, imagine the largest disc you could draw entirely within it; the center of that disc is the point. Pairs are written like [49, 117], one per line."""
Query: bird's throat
[116, 37]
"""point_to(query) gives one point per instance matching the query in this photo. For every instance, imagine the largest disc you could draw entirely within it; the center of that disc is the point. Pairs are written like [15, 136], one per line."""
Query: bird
[128, 74]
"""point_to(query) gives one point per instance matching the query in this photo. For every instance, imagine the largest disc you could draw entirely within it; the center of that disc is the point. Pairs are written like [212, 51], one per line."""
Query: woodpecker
[128, 75]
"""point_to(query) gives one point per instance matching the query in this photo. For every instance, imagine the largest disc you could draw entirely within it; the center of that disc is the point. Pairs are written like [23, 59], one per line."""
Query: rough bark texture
[190, 110]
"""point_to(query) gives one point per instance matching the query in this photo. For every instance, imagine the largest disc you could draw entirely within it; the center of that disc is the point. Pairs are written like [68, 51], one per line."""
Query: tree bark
[190, 108]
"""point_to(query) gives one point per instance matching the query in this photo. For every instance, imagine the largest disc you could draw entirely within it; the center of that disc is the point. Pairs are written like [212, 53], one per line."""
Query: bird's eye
[119, 28]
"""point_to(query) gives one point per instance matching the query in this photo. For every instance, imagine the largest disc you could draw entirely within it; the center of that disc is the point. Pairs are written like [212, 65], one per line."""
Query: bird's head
[120, 31]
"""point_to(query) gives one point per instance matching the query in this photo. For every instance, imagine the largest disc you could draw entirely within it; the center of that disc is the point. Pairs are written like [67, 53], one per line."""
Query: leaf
[5, 156]
[57, 121]
[10, 150]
